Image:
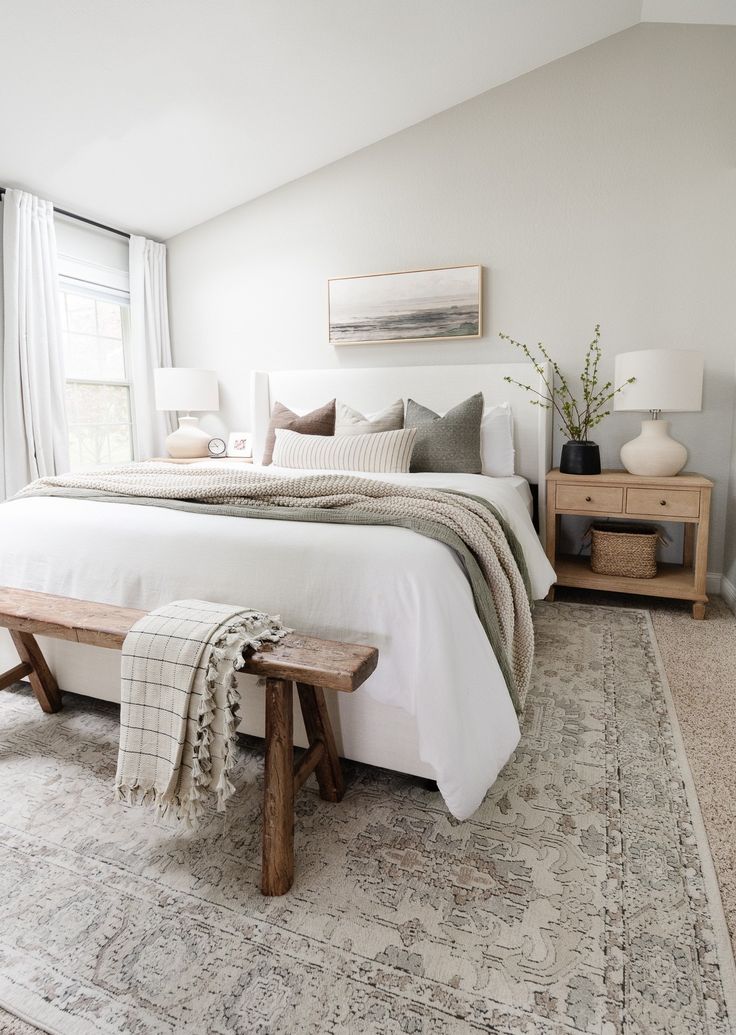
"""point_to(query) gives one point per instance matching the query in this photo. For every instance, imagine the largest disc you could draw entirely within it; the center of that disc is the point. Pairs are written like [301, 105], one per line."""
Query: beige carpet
[394, 849]
[700, 662]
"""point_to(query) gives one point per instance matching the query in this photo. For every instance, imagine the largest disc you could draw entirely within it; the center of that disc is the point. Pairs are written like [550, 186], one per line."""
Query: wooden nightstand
[617, 494]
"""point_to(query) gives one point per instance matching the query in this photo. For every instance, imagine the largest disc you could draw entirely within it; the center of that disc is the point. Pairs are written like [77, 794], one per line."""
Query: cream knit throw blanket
[358, 500]
[179, 703]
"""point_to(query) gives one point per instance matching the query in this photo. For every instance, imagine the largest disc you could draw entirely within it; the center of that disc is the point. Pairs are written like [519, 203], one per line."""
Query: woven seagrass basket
[623, 549]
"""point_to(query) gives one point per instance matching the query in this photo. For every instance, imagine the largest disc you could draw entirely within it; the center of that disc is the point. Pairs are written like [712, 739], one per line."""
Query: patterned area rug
[579, 899]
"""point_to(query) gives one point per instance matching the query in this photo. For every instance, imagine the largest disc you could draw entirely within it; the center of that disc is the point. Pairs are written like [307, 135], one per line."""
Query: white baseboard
[713, 582]
[728, 592]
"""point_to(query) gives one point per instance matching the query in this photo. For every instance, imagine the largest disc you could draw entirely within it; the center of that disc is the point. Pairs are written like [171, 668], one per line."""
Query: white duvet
[390, 587]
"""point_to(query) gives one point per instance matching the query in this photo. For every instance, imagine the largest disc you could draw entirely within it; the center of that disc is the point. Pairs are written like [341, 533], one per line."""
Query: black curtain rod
[83, 219]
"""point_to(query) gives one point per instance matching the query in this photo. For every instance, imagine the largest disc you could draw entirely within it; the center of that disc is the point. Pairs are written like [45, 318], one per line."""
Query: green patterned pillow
[448, 443]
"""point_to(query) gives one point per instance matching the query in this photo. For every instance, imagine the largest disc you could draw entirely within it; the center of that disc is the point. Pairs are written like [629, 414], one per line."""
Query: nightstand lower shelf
[683, 499]
[671, 580]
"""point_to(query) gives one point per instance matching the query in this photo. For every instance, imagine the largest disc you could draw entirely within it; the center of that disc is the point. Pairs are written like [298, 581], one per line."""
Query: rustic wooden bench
[314, 665]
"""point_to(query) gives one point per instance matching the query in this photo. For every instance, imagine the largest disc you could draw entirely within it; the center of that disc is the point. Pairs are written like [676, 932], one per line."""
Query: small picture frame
[240, 444]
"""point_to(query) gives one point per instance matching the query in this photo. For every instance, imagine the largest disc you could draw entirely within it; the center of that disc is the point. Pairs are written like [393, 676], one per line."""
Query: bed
[436, 706]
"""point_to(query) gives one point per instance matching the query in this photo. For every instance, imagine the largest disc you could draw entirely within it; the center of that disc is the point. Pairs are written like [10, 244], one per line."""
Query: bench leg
[42, 681]
[277, 863]
[14, 675]
[319, 729]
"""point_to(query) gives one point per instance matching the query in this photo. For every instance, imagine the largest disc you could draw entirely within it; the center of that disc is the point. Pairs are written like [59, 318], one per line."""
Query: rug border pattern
[615, 962]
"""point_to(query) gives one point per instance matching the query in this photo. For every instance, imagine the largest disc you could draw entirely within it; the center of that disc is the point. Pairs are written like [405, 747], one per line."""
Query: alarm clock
[217, 447]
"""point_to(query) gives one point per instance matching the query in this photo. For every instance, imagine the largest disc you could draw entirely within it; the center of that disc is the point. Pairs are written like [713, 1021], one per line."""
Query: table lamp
[187, 389]
[669, 380]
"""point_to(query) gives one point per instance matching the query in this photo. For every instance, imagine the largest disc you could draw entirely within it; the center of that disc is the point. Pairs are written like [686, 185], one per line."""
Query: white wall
[600, 188]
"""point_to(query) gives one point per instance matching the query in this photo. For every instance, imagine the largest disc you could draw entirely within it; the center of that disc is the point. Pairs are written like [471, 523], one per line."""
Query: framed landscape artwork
[417, 305]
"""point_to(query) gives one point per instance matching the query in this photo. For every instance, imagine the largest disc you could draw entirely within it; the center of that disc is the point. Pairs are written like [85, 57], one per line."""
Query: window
[99, 402]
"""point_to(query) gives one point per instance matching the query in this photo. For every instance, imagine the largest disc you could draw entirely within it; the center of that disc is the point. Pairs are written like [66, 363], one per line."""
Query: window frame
[69, 285]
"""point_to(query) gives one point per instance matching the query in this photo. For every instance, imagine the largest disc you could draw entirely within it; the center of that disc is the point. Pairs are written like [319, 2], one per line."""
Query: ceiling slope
[156, 115]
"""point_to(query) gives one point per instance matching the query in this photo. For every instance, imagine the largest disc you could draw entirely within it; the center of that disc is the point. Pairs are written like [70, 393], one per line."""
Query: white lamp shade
[666, 379]
[183, 388]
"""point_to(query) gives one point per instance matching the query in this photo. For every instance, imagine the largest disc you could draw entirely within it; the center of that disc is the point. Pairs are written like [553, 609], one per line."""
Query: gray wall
[729, 561]
[600, 188]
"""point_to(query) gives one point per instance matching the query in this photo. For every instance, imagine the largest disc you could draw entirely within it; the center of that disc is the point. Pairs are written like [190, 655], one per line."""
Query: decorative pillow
[318, 422]
[350, 422]
[497, 441]
[388, 452]
[448, 443]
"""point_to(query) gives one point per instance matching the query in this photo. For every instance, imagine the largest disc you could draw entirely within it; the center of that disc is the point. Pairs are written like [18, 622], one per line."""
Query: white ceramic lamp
[186, 389]
[669, 380]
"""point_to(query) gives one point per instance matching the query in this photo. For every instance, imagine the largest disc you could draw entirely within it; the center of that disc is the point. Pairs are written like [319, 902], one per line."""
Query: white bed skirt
[366, 730]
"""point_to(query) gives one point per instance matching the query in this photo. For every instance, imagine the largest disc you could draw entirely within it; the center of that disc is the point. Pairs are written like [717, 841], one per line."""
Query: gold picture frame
[389, 308]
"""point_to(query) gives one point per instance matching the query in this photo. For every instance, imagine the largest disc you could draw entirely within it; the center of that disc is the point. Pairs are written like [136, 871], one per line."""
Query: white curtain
[34, 432]
[150, 342]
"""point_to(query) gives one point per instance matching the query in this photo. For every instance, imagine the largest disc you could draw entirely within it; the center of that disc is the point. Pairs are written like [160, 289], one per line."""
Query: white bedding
[426, 478]
[386, 586]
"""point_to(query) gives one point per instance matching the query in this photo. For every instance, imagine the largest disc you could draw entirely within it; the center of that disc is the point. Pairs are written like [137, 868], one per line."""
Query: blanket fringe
[187, 810]
[227, 654]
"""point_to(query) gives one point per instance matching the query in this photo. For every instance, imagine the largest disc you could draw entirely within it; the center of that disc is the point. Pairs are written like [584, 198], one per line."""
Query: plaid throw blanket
[179, 712]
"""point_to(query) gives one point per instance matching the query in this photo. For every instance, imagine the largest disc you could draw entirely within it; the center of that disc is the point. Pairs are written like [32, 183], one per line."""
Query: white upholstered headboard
[439, 387]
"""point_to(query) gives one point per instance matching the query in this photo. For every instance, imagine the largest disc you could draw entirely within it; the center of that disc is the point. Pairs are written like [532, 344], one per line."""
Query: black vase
[580, 458]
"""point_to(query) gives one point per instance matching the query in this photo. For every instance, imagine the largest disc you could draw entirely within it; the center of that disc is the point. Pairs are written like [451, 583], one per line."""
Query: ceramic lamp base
[188, 441]
[653, 453]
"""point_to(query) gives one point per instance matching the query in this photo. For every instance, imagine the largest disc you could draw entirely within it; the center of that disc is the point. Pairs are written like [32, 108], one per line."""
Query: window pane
[95, 358]
[97, 404]
[91, 446]
[108, 320]
[81, 356]
[99, 415]
[93, 336]
[112, 358]
[81, 315]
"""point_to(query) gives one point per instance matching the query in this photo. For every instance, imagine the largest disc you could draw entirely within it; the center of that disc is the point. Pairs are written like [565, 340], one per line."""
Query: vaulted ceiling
[156, 115]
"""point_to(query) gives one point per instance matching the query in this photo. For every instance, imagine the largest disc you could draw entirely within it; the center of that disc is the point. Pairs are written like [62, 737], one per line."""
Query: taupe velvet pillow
[449, 443]
[318, 422]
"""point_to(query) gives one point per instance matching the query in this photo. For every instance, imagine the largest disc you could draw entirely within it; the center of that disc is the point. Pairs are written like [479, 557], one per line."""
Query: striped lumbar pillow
[386, 452]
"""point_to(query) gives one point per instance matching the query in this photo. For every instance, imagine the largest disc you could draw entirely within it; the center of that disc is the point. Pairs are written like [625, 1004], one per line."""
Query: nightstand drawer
[590, 499]
[676, 503]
